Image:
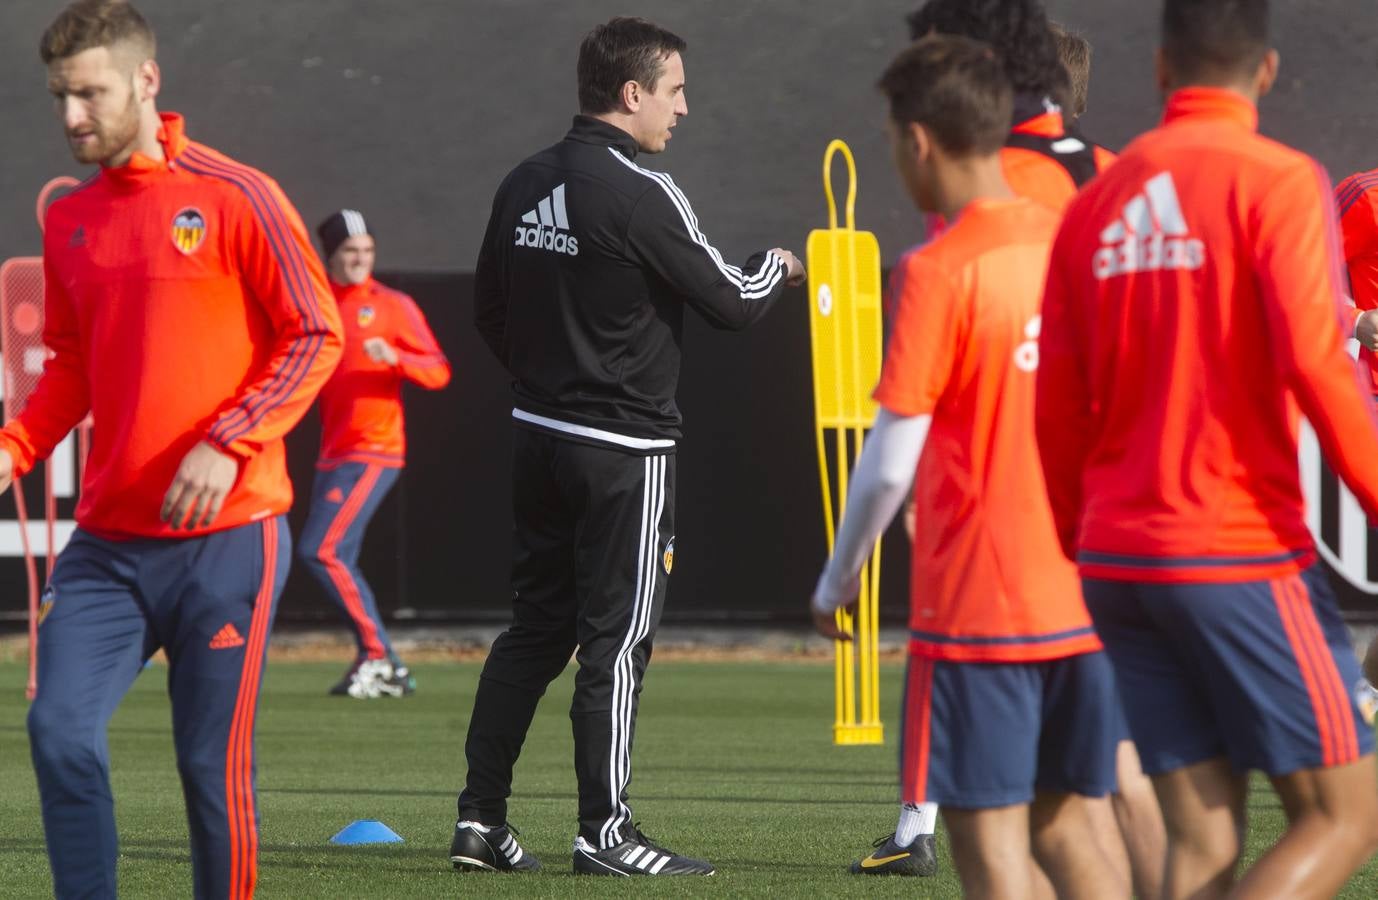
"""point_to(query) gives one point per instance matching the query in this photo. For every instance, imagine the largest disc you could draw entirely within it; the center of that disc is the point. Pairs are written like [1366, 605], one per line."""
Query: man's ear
[918, 141]
[1267, 72]
[148, 80]
[631, 97]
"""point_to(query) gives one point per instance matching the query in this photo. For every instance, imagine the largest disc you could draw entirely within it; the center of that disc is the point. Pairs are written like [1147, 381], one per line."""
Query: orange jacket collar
[1211, 103]
[172, 135]
[1048, 124]
[345, 292]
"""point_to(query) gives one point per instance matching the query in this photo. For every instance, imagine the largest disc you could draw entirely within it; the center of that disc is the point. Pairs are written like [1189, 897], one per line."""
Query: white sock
[915, 819]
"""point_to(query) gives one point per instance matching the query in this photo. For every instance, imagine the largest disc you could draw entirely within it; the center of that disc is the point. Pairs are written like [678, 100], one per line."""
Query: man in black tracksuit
[585, 270]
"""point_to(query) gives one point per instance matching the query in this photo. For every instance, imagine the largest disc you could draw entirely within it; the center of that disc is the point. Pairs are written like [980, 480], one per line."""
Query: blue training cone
[366, 831]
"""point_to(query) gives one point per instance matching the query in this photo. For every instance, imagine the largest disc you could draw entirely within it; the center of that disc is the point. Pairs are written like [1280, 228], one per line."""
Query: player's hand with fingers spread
[1366, 329]
[6, 470]
[796, 274]
[379, 350]
[198, 491]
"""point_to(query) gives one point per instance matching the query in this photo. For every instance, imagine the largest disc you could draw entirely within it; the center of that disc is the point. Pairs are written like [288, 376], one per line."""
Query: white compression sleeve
[880, 482]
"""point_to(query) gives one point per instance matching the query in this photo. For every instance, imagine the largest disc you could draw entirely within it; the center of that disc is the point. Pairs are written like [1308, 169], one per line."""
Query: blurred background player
[1356, 201]
[363, 442]
[1074, 51]
[185, 310]
[1044, 162]
[586, 268]
[1197, 270]
[1009, 718]
[1040, 159]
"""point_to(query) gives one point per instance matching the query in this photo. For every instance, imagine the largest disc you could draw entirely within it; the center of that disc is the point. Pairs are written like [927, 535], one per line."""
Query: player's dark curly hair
[1016, 29]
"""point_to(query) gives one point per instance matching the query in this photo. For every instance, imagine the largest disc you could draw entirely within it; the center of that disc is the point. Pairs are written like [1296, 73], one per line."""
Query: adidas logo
[1151, 235]
[226, 638]
[547, 226]
[78, 238]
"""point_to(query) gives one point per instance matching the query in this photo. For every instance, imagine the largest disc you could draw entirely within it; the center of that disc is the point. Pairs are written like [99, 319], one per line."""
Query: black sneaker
[918, 859]
[637, 855]
[479, 848]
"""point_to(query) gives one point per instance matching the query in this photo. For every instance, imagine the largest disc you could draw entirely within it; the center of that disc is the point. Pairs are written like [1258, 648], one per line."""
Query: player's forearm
[430, 371]
[734, 303]
[880, 483]
[274, 403]
[57, 405]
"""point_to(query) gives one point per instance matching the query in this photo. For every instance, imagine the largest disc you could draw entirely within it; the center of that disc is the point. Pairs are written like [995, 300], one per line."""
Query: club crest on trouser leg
[668, 557]
[45, 605]
[1365, 697]
[188, 230]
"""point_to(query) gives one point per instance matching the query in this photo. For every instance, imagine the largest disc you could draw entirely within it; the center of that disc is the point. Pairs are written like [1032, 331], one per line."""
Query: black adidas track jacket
[581, 284]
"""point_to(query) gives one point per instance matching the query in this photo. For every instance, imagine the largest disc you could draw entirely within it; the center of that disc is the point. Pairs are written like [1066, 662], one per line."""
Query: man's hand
[796, 275]
[1366, 330]
[825, 623]
[379, 350]
[6, 470]
[197, 493]
[823, 605]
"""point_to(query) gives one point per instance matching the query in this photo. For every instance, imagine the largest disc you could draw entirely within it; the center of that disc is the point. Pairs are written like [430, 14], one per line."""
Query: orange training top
[1192, 311]
[183, 303]
[989, 584]
[361, 404]
[1356, 199]
[1038, 176]
[1032, 174]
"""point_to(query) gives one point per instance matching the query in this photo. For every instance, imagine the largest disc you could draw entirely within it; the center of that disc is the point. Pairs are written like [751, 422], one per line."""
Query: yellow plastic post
[845, 338]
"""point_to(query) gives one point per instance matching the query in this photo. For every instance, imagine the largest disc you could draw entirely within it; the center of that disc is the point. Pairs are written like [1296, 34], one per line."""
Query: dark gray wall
[413, 110]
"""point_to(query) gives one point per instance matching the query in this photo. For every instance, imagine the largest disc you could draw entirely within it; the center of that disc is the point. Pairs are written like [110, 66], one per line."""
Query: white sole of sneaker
[471, 865]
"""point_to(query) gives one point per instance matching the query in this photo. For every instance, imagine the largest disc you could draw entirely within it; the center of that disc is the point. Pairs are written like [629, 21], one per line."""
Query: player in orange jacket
[185, 311]
[363, 443]
[1192, 312]
[1009, 710]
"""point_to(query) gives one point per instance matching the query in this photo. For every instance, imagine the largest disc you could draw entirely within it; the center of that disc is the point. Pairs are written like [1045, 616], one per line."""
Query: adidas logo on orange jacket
[1150, 234]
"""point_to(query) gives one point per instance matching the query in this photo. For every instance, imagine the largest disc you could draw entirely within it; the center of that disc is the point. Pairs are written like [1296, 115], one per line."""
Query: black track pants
[594, 544]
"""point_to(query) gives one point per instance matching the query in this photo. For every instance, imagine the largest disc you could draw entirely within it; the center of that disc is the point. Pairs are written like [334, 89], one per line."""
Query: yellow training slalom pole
[845, 338]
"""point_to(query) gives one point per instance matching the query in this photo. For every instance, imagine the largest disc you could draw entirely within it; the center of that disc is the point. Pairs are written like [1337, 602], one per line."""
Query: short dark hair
[1214, 40]
[956, 88]
[87, 24]
[621, 50]
[1075, 52]
[1016, 29]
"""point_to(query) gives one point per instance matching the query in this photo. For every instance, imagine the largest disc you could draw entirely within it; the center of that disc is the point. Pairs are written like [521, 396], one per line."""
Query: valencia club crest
[188, 230]
[366, 315]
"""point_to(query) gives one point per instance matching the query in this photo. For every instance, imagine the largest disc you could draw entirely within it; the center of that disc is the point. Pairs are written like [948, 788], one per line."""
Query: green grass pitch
[733, 762]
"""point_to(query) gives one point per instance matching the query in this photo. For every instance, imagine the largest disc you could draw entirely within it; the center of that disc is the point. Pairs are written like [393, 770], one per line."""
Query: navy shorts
[984, 735]
[1261, 672]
